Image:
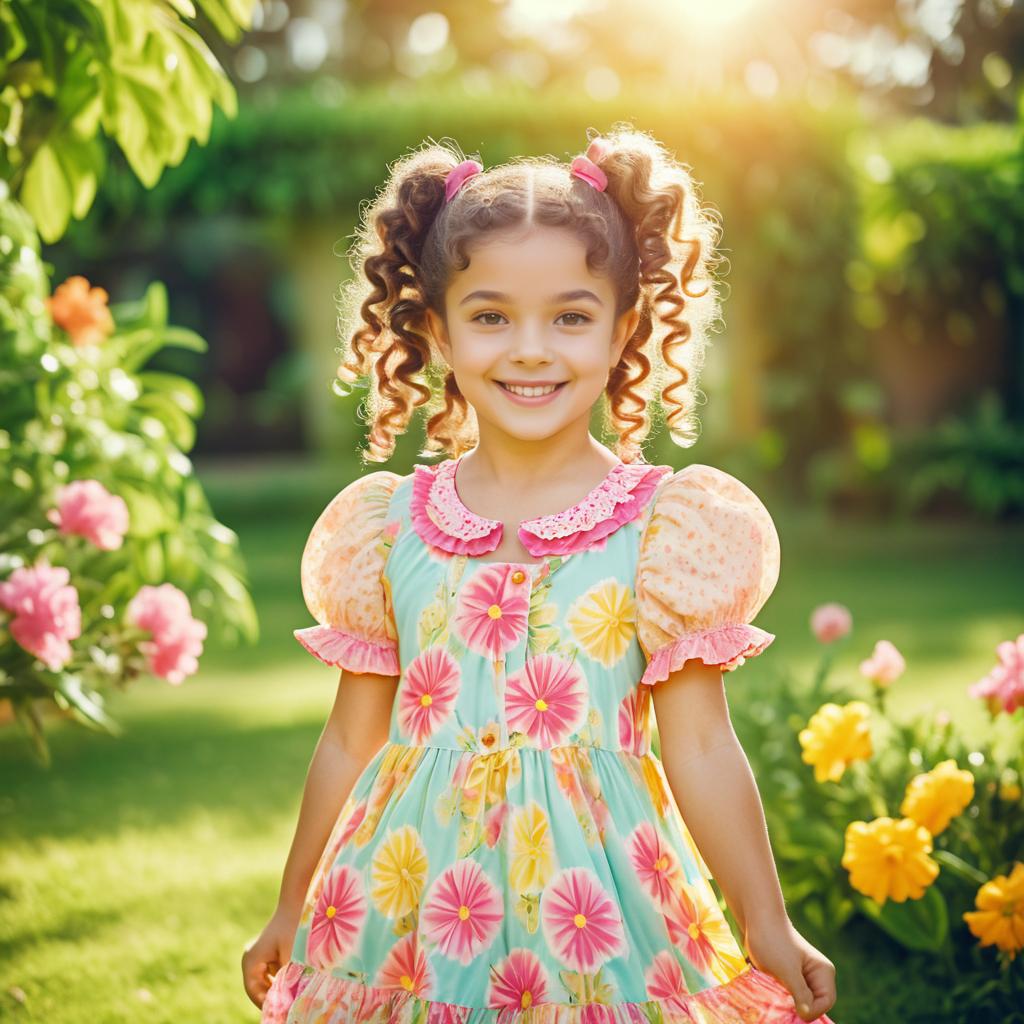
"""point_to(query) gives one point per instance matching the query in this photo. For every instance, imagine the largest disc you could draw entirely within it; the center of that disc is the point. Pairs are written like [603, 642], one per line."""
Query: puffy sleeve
[709, 560]
[343, 583]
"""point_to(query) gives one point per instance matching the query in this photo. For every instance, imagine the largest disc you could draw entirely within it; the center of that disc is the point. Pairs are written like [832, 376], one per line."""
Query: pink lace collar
[441, 519]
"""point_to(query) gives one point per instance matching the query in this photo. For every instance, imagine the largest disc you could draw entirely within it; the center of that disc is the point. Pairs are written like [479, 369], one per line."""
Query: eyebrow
[572, 296]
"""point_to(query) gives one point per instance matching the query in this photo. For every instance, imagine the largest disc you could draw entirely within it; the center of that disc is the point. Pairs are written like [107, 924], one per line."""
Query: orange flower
[81, 311]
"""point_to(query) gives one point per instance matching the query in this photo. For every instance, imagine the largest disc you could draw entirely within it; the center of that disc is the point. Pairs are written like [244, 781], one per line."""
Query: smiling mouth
[531, 392]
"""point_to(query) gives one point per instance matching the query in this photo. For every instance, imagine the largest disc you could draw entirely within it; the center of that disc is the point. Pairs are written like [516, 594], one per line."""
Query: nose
[529, 345]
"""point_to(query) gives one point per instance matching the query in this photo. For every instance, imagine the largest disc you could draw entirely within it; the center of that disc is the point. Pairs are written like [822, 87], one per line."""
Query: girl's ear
[439, 335]
[625, 328]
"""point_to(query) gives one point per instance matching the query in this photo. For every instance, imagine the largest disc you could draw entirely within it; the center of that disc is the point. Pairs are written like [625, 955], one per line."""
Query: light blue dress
[513, 852]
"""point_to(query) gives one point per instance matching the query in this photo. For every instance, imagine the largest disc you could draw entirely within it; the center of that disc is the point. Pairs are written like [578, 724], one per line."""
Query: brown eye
[582, 318]
[487, 323]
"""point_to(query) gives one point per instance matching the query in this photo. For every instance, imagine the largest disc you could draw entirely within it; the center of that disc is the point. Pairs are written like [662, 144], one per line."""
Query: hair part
[647, 233]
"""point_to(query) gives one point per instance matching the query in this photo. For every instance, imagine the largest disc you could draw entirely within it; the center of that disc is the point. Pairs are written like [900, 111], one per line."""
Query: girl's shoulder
[709, 560]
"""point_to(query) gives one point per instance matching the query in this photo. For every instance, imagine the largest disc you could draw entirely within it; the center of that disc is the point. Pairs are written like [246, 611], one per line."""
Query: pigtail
[386, 297]
[676, 240]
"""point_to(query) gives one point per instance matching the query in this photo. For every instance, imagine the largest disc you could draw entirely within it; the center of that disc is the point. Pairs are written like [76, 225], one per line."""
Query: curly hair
[647, 232]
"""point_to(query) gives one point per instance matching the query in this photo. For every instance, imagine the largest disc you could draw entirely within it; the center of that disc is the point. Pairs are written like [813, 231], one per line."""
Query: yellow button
[518, 576]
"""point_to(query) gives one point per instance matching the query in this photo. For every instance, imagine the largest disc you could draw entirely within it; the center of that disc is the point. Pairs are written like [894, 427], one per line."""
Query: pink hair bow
[459, 175]
[585, 167]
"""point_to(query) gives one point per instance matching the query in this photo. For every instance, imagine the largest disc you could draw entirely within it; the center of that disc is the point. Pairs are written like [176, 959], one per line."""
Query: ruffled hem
[751, 996]
[725, 646]
[342, 650]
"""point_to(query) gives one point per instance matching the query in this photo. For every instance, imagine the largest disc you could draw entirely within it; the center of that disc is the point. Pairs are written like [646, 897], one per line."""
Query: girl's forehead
[552, 256]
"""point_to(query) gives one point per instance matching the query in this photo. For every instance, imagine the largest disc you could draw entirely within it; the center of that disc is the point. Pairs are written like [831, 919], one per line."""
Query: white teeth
[530, 392]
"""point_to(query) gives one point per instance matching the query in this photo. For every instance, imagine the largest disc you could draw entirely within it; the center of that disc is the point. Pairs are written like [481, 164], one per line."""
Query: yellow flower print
[999, 918]
[888, 859]
[603, 621]
[531, 849]
[835, 737]
[934, 798]
[398, 872]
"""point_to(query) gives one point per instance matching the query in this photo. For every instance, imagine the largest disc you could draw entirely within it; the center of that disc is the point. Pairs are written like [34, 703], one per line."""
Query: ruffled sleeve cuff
[726, 646]
[343, 650]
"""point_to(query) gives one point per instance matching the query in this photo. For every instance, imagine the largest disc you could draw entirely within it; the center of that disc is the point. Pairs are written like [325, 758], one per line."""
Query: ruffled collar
[442, 520]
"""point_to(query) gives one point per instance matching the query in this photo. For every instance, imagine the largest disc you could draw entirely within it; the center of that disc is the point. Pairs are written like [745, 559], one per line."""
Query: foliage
[810, 821]
[134, 70]
[72, 411]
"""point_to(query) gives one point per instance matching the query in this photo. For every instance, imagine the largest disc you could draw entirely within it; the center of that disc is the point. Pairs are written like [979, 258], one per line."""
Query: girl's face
[527, 311]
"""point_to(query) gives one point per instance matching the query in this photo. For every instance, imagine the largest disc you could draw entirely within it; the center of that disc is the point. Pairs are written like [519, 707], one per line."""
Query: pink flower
[546, 699]
[407, 967]
[665, 979]
[687, 929]
[518, 982]
[885, 665]
[581, 921]
[831, 621]
[633, 710]
[494, 822]
[337, 919]
[492, 611]
[46, 611]
[1003, 687]
[655, 863]
[463, 911]
[429, 691]
[87, 508]
[177, 638]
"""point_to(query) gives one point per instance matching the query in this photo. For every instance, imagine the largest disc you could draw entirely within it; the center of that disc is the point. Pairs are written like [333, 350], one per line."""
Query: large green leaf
[916, 924]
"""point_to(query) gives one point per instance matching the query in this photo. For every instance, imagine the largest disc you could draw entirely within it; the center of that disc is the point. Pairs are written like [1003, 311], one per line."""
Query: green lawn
[136, 868]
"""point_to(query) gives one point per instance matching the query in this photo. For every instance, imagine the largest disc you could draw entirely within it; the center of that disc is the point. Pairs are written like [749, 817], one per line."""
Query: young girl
[485, 835]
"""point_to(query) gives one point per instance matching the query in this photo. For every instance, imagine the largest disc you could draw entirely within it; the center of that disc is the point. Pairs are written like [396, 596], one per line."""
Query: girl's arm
[355, 730]
[710, 777]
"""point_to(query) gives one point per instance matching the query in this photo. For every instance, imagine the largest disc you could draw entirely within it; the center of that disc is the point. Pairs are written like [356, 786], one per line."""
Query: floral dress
[513, 853]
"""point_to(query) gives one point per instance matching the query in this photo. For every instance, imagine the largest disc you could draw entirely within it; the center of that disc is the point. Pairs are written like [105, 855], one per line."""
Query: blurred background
[868, 382]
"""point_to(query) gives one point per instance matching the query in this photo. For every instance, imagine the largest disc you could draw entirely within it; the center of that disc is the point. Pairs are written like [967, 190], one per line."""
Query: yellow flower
[934, 798]
[836, 736]
[531, 850]
[1010, 792]
[398, 872]
[999, 918]
[888, 858]
[603, 621]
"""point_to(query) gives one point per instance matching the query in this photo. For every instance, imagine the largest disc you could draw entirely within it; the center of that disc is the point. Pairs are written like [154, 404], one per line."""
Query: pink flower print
[582, 923]
[633, 720]
[462, 911]
[831, 621]
[176, 638]
[428, 694]
[517, 982]
[684, 920]
[353, 823]
[494, 821]
[87, 508]
[665, 978]
[407, 967]
[338, 917]
[46, 611]
[491, 614]
[546, 699]
[1003, 687]
[655, 863]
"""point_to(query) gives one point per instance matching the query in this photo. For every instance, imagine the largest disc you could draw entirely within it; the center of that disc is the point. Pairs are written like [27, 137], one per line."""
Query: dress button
[518, 576]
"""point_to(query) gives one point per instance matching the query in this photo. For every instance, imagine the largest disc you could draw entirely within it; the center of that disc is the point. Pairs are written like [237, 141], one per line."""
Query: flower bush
[106, 537]
[903, 822]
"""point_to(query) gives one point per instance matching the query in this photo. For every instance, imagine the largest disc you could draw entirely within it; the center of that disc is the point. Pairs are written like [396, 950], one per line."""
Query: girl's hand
[810, 976]
[269, 952]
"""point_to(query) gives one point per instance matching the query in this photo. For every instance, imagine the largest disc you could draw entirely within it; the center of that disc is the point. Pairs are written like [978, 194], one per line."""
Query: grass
[135, 870]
